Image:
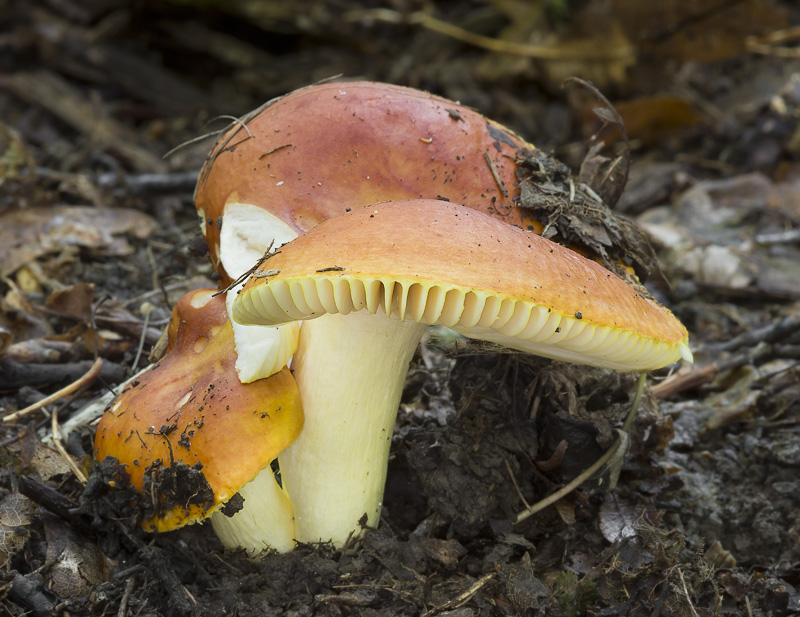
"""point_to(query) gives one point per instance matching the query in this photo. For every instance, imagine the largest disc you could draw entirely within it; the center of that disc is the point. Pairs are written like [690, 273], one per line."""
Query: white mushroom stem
[350, 370]
[266, 520]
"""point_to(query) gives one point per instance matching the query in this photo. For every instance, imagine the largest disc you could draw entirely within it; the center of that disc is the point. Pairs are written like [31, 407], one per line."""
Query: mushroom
[370, 281]
[191, 436]
[305, 157]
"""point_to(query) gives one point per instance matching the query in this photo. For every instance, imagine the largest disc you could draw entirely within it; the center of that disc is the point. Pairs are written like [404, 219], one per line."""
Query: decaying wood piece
[14, 376]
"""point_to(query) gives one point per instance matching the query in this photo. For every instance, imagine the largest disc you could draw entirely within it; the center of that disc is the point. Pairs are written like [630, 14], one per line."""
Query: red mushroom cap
[309, 155]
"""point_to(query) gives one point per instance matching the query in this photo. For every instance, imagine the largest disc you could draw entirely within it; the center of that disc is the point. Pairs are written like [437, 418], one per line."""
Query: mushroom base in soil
[370, 281]
[264, 522]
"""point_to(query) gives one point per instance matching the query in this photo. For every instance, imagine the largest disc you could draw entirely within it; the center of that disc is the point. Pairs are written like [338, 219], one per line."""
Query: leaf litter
[703, 520]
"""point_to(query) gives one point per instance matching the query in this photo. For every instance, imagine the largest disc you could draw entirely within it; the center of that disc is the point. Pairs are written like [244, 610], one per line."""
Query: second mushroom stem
[351, 370]
[264, 522]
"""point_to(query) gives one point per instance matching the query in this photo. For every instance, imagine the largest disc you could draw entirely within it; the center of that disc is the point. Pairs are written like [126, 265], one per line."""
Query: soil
[99, 238]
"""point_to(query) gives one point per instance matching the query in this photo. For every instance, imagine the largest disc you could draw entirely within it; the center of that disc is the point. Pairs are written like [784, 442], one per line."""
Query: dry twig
[63, 452]
[123, 605]
[86, 379]
[614, 450]
[539, 52]
[461, 599]
[781, 43]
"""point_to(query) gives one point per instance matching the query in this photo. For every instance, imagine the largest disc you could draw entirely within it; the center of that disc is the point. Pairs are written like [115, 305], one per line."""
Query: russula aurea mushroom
[191, 436]
[307, 156]
[370, 281]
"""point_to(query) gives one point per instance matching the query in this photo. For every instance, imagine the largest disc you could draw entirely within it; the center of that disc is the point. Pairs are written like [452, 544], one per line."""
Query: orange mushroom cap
[438, 263]
[189, 414]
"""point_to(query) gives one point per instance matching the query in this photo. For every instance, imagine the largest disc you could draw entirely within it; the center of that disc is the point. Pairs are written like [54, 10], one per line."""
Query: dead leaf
[74, 301]
[37, 457]
[648, 119]
[524, 590]
[718, 557]
[618, 519]
[566, 511]
[106, 343]
[76, 566]
[15, 516]
[697, 30]
[26, 235]
[447, 553]
[735, 585]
